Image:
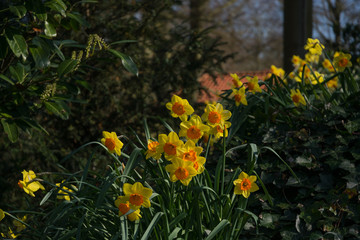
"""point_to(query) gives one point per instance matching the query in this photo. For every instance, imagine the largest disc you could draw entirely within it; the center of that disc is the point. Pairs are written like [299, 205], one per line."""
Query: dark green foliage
[321, 143]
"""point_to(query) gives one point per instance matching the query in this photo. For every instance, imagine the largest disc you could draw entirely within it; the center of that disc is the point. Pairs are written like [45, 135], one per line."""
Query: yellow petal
[127, 189]
[2, 214]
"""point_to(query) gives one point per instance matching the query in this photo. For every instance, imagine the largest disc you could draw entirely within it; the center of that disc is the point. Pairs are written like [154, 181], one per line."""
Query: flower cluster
[305, 70]
[238, 88]
[182, 150]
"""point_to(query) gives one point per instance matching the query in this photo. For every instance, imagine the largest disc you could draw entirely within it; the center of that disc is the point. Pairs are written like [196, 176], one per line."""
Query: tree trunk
[297, 29]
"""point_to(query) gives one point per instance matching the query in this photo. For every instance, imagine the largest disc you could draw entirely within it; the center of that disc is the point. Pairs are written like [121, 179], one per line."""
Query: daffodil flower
[137, 195]
[193, 129]
[111, 142]
[297, 98]
[179, 108]
[123, 205]
[28, 184]
[181, 170]
[245, 185]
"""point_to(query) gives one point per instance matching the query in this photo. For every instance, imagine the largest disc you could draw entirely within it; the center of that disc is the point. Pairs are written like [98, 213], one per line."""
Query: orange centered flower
[170, 149]
[152, 146]
[295, 98]
[136, 199]
[193, 132]
[236, 84]
[110, 143]
[343, 62]
[181, 173]
[190, 156]
[124, 208]
[178, 109]
[245, 184]
[214, 117]
[250, 86]
[237, 98]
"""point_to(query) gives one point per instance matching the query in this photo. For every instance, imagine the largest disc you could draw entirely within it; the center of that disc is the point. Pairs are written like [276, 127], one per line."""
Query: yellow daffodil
[111, 142]
[239, 96]
[215, 115]
[297, 62]
[153, 150]
[63, 192]
[277, 71]
[327, 65]
[123, 205]
[181, 170]
[314, 46]
[179, 108]
[253, 84]
[2, 214]
[137, 195]
[341, 61]
[236, 80]
[190, 152]
[169, 145]
[317, 78]
[193, 129]
[28, 184]
[218, 131]
[245, 185]
[297, 98]
[333, 83]
[20, 226]
[312, 58]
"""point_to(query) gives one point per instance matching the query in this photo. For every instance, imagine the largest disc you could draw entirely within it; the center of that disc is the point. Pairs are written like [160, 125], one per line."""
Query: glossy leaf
[57, 109]
[17, 43]
[66, 67]
[19, 11]
[127, 62]
[50, 29]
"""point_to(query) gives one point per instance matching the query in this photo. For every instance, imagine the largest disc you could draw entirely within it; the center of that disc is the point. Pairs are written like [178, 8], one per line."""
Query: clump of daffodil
[239, 96]
[245, 185]
[179, 108]
[215, 115]
[253, 84]
[297, 98]
[63, 193]
[2, 214]
[314, 46]
[181, 170]
[28, 184]
[137, 195]
[236, 80]
[341, 61]
[169, 144]
[153, 150]
[190, 152]
[193, 129]
[327, 65]
[305, 73]
[124, 208]
[112, 142]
